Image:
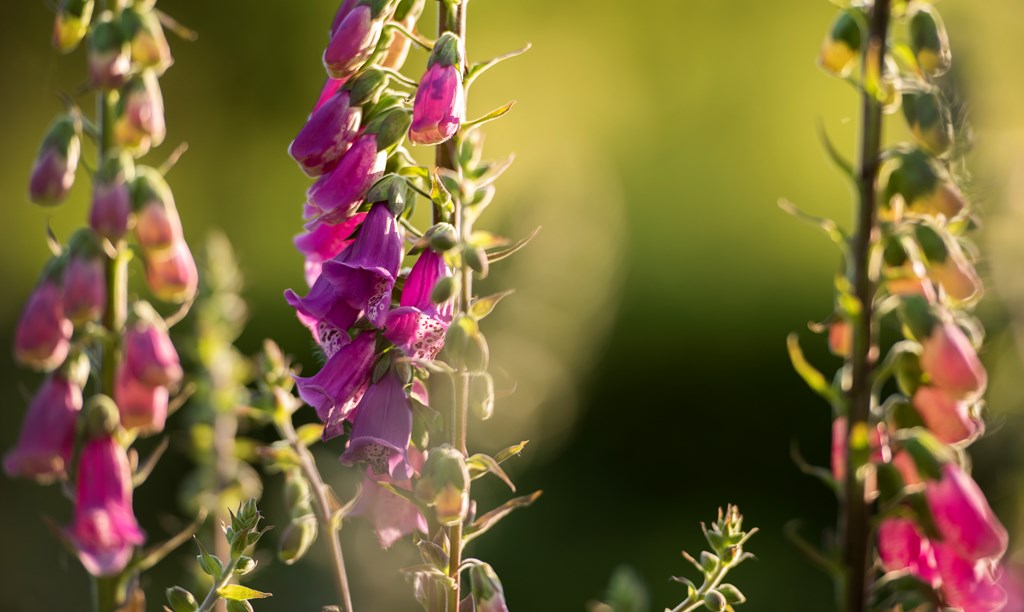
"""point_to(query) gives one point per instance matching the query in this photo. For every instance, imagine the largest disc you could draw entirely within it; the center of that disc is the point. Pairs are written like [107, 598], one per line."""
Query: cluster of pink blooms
[372, 334]
[66, 318]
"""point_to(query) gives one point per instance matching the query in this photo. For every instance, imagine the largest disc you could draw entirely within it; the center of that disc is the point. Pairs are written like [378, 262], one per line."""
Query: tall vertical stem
[855, 521]
[446, 156]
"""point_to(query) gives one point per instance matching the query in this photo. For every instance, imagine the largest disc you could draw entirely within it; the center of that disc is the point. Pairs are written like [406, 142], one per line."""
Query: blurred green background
[647, 335]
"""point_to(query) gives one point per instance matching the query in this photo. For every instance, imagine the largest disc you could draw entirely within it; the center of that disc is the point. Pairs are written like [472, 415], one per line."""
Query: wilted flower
[53, 174]
[963, 516]
[440, 105]
[43, 336]
[173, 277]
[381, 430]
[44, 447]
[327, 135]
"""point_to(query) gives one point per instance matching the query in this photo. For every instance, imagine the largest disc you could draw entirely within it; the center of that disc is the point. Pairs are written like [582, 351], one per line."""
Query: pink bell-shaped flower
[963, 516]
[43, 336]
[440, 105]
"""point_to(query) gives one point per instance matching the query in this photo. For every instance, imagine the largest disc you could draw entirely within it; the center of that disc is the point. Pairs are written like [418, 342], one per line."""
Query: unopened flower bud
[84, 279]
[181, 600]
[157, 224]
[141, 406]
[54, 171]
[963, 516]
[109, 54]
[947, 264]
[327, 135]
[950, 362]
[840, 49]
[925, 187]
[444, 484]
[101, 417]
[444, 290]
[71, 24]
[488, 594]
[340, 191]
[149, 354]
[236, 605]
[296, 539]
[141, 28]
[928, 40]
[442, 237]
[139, 122]
[840, 338]
[172, 276]
[296, 494]
[111, 213]
[715, 601]
[43, 335]
[929, 121]
[353, 40]
[389, 127]
[440, 105]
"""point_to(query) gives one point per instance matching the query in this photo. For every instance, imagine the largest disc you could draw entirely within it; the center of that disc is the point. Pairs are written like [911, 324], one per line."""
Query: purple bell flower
[418, 325]
[44, 446]
[53, 174]
[336, 389]
[84, 280]
[327, 134]
[381, 430]
[336, 195]
[325, 242]
[352, 42]
[43, 335]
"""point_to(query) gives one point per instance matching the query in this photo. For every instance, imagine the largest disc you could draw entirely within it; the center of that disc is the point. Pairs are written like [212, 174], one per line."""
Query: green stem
[446, 157]
[696, 601]
[225, 577]
[322, 507]
[855, 518]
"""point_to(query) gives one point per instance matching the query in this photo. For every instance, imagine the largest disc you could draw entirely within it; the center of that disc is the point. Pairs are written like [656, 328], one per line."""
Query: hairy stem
[222, 581]
[855, 519]
[696, 601]
[446, 157]
[322, 507]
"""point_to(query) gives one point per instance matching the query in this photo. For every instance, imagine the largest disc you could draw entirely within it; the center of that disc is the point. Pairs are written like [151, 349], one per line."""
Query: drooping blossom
[142, 406]
[157, 224]
[950, 361]
[335, 390]
[950, 419]
[381, 430]
[44, 447]
[325, 242]
[418, 325]
[963, 516]
[902, 547]
[393, 517]
[105, 531]
[353, 40]
[327, 135]
[149, 354]
[971, 586]
[337, 194]
[84, 279]
[53, 174]
[440, 104]
[173, 277]
[110, 215]
[43, 335]
[139, 123]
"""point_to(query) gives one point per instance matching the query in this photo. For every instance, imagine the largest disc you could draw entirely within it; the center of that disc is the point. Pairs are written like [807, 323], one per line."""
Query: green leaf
[834, 154]
[479, 68]
[481, 464]
[814, 379]
[831, 229]
[439, 194]
[237, 592]
[210, 564]
[502, 254]
[483, 523]
[481, 307]
[511, 451]
[491, 116]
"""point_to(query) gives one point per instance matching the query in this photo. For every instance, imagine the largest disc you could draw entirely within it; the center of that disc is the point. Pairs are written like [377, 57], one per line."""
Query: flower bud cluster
[78, 311]
[936, 523]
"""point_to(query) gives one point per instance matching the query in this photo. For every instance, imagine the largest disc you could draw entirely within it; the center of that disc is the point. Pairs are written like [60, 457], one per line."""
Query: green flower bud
[444, 484]
[101, 417]
[715, 601]
[181, 600]
[71, 24]
[443, 290]
[928, 40]
[842, 45]
[929, 121]
[442, 237]
[298, 536]
[732, 594]
[234, 605]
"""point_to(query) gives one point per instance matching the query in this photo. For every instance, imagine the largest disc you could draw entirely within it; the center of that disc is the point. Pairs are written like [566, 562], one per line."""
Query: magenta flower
[963, 516]
[331, 87]
[111, 211]
[327, 134]
[418, 325]
[325, 242]
[440, 105]
[343, 10]
[104, 531]
[157, 226]
[325, 314]
[902, 547]
[43, 336]
[142, 406]
[53, 174]
[950, 361]
[44, 446]
[336, 389]
[393, 517]
[84, 281]
[948, 418]
[337, 194]
[173, 277]
[381, 430]
[967, 585]
[149, 354]
[364, 273]
[352, 42]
